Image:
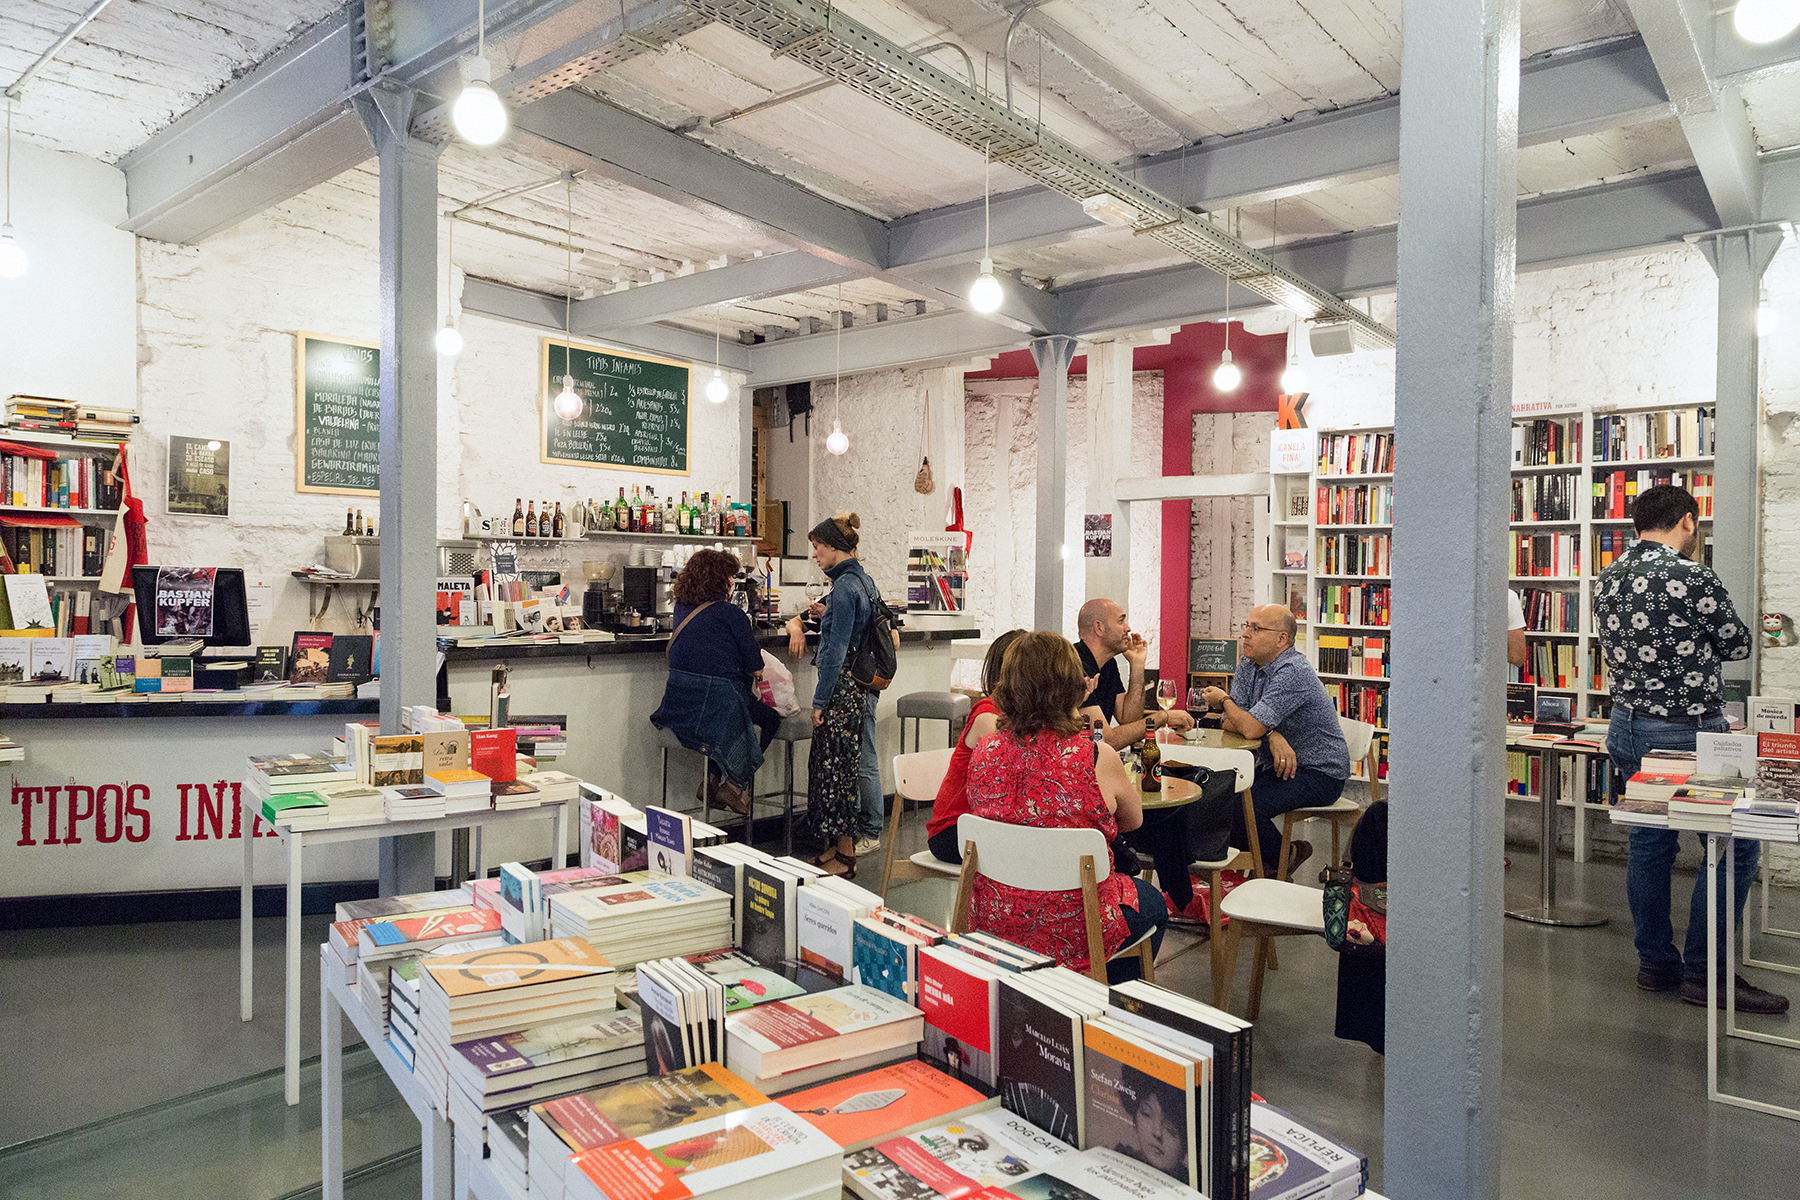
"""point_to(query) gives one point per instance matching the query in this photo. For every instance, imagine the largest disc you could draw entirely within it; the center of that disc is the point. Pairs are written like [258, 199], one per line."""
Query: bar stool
[795, 728]
[918, 707]
[668, 741]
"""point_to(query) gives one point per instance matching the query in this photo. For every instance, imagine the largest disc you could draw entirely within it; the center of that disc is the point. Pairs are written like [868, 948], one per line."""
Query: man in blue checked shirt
[1667, 626]
[1275, 696]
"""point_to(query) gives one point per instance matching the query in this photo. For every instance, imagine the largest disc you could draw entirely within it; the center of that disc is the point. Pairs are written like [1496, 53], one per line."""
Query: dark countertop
[192, 708]
[657, 644]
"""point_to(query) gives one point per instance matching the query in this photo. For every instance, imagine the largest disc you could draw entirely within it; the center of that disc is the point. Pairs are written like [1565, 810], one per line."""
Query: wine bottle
[557, 526]
[359, 523]
[531, 521]
[621, 517]
[518, 525]
[349, 522]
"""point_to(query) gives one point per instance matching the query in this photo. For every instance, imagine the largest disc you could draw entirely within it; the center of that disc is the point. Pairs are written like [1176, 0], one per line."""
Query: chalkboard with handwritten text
[634, 410]
[337, 415]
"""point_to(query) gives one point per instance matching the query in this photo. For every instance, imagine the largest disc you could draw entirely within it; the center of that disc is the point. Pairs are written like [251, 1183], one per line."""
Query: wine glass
[1196, 699]
[1166, 694]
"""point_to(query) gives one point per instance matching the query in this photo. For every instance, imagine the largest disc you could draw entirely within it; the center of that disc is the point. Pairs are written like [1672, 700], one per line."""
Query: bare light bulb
[1228, 376]
[717, 390]
[1764, 21]
[837, 441]
[1768, 320]
[985, 293]
[478, 114]
[1293, 380]
[449, 341]
[13, 259]
[567, 404]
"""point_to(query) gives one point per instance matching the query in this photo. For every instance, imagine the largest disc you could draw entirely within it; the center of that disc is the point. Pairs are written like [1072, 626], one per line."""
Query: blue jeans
[1151, 913]
[868, 781]
[1652, 855]
[1274, 796]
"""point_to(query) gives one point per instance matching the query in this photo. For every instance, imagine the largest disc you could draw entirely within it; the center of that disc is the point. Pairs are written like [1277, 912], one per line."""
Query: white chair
[1247, 861]
[917, 776]
[1265, 909]
[1043, 860]
[1342, 812]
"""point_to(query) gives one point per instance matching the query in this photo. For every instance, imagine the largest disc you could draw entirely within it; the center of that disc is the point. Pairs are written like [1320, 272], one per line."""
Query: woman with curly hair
[710, 701]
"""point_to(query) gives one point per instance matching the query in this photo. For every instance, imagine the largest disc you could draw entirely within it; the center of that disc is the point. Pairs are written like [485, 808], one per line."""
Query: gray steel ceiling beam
[942, 337]
[752, 279]
[521, 306]
[1680, 35]
[1736, 61]
[1560, 96]
[1781, 186]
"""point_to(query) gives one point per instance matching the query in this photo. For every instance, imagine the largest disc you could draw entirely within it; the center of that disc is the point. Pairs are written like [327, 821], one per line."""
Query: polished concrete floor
[1604, 1086]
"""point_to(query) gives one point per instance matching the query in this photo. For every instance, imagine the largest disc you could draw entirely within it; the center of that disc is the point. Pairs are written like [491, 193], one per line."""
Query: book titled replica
[1290, 1162]
[889, 1102]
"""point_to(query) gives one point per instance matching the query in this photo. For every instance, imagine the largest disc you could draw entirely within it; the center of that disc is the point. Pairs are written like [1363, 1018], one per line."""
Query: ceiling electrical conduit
[68, 35]
[1006, 66]
[852, 54]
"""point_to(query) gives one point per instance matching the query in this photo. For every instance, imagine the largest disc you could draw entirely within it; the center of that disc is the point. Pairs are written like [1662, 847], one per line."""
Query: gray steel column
[409, 316]
[1459, 113]
[1053, 355]
[1740, 256]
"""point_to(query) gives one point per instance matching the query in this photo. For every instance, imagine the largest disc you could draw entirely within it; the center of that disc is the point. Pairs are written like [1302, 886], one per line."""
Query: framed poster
[634, 409]
[199, 477]
[337, 415]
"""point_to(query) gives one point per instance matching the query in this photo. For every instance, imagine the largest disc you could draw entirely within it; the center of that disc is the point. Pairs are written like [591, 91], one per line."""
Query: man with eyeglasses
[1275, 696]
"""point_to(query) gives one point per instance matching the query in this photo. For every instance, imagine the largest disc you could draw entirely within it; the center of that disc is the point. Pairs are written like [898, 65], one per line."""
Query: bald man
[1275, 696]
[1106, 634]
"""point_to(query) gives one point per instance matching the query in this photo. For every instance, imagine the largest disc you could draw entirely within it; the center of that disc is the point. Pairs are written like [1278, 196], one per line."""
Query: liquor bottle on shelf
[599, 516]
[684, 516]
[531, 521]
[621, 515]
[637, 510]
[518, 518]
[544, 525]
[359, 523]
[556, 525]
[671, 515]
[349, 522]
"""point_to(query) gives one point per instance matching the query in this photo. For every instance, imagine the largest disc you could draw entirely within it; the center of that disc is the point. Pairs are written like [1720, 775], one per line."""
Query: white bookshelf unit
[66, 485]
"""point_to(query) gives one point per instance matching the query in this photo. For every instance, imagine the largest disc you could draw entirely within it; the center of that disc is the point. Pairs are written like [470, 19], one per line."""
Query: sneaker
[1298, 853]
[867, 845]
[1750, 998]
[1657, 981]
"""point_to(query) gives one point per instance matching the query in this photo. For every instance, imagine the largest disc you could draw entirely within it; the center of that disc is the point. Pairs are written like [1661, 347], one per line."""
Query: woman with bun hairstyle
[844, 776]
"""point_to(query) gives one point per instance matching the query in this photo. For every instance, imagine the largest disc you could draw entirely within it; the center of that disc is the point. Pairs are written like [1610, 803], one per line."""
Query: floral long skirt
[835, 762]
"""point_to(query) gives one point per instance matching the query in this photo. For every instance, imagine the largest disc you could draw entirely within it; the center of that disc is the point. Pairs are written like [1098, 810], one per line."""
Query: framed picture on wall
[199, 477]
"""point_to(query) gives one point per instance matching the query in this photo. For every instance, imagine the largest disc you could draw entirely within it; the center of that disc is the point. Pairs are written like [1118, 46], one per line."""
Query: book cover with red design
[888, 1102]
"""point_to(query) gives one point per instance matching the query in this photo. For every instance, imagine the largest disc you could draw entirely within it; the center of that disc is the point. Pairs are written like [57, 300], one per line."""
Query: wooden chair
[1249, 862]
[1043, 860]
[916, 777]
[1343, 812]
[1265, 909]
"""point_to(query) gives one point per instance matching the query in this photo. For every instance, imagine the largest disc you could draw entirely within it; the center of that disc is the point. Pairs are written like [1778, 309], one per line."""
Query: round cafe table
[1175, 793]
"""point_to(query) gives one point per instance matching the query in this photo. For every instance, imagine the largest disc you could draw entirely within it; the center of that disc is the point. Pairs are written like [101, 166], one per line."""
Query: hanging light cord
[718, 322]
[9, 108]
[837, 386]
[450, 268]
[481, 28]
[1228, 315]
[569, 277]
[987, 177]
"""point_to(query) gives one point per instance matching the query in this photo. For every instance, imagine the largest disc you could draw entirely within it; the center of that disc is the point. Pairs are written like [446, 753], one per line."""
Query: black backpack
[875, 658]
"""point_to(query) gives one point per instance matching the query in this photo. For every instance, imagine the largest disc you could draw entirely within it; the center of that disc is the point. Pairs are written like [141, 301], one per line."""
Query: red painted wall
[1187, 364]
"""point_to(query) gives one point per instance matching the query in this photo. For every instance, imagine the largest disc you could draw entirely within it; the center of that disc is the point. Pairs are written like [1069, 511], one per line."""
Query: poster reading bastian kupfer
[199, 477]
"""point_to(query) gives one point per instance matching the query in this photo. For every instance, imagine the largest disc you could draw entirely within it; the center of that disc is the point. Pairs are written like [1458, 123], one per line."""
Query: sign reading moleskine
[1212, 656]
[337, 415]
[634, 409]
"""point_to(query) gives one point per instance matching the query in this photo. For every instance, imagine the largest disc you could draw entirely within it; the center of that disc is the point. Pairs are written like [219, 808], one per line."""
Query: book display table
[1546, 909]
[296, 843]
[1715, 842]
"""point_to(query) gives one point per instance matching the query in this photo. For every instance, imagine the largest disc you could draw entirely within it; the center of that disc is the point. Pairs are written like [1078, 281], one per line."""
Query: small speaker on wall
[1330, 337]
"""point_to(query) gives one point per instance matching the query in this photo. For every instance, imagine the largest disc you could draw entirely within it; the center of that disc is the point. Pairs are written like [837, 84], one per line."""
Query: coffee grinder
[598, 603]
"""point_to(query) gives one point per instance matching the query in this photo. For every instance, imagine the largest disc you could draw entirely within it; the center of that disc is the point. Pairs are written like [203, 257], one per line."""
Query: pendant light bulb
[717, 390]
[449, 341]
[13, 259]
[567, 403]
[478, 114]
[837, 441]
[1768, 319]
[1293, 380]
[1229, 374]
[985, 293]
[1764, 21]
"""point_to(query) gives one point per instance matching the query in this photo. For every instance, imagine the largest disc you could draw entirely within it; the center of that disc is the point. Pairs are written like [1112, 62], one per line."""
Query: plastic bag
[776, 687]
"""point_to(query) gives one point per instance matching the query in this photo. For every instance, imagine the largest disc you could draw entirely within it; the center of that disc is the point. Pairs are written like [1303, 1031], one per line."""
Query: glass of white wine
[1167, 691]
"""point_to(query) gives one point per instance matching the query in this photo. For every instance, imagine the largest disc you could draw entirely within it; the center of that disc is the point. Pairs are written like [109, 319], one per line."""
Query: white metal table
[297, 841]
[1713, 975]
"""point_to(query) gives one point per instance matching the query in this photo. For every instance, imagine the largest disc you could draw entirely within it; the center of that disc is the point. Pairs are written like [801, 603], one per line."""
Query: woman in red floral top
[1043, 769]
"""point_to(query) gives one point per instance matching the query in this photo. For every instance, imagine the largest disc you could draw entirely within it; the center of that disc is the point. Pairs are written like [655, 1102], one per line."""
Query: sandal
[829, 858]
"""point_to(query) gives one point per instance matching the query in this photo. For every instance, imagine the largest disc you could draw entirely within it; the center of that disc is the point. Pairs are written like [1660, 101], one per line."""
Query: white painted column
[1109, 431]
[1453, 395]
[409, 438]
[1053, 355]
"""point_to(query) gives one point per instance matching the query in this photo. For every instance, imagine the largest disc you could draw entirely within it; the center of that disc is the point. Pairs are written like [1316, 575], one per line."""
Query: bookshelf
[58, 502]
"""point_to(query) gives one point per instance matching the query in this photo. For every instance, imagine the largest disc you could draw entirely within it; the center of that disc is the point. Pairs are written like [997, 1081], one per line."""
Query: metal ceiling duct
[856, 56]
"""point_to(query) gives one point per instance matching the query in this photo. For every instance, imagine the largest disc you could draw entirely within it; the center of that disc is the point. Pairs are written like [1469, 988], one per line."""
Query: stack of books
[554, 787]
[1646, 797]
[270, 775]
[912, 1096]
[798, 1042]
[884, 951]
[503, 990]
[463, 790]
[386, 945]
[1298, 1164]
[982, 1149]
[1770, 819]
[412, 803]
[514, 793]
[1704, 803]
[521, 903]
[515, 1070]
[299, 811]
[633, 921]
[352, 916]
[353, 803]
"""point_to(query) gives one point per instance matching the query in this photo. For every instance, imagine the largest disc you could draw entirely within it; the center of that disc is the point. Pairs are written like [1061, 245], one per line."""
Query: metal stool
[795, 728]
[668, 741]
[918, 707]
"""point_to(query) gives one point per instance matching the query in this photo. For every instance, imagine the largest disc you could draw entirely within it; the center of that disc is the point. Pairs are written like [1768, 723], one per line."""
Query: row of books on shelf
[1551, 665]
[1355, 504]
[1355, 554]
[1637, 436]
[1546, 442]
[34, 477]
[1354, 603]
[1547, 497]
[64, 420]
[1342, 654]
[1365, 702]
[1356, 453]
[1616, 492]
[1550, 610]
[67, 551]
[1546, 555]
[983, 1066]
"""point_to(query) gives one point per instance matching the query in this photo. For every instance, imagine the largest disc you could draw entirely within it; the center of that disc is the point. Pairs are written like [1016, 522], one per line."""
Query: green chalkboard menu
[337, 415]
[1212, 656]
[634, 410]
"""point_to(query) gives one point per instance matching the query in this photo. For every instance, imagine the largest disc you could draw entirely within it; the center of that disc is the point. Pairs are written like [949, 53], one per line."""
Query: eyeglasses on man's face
[1253, 627]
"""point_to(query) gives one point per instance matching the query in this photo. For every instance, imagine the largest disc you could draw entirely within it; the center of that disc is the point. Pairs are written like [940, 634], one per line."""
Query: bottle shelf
[612, 534]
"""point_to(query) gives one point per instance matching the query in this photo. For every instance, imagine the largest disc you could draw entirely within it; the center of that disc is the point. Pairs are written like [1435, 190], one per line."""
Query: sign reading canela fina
[634, 409]
[337, 415]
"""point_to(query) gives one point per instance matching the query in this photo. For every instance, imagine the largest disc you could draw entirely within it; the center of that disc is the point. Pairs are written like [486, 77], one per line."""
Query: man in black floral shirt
[1666, 627]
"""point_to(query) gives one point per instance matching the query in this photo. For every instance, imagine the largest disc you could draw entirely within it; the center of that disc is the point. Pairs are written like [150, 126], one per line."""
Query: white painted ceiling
[1119, 78]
